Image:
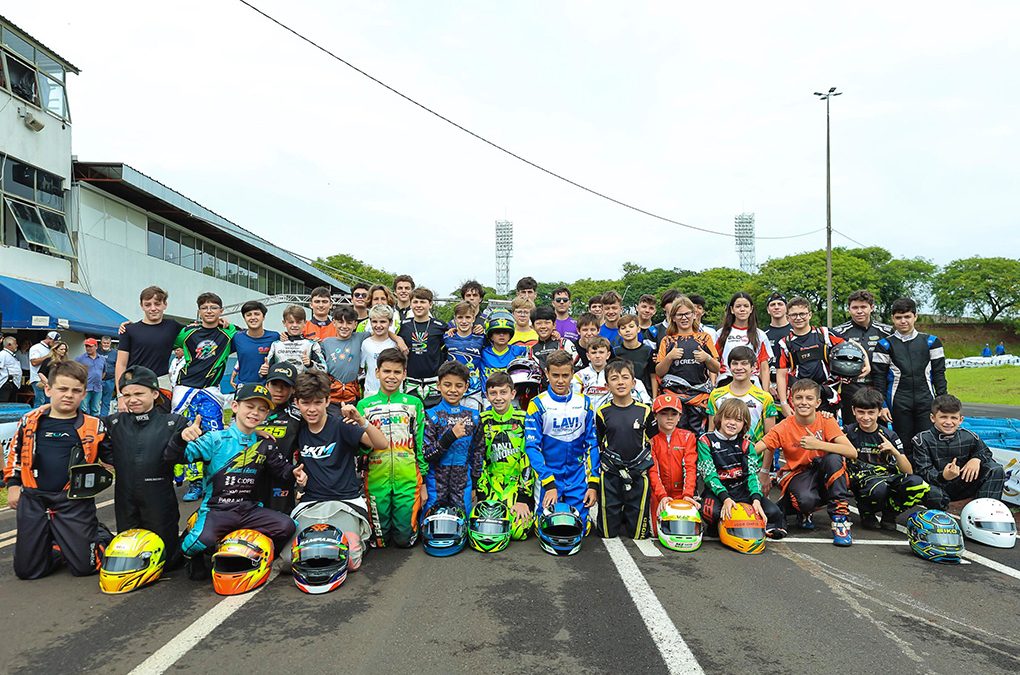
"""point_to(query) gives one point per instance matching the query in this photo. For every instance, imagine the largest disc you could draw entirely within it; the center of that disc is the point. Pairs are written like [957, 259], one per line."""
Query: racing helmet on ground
[499, 321]
[444, 530]
[744, 530]
[133, 559]
[847, 359]
[679, 526]
[489, 526]
[935, 535]
[241, 562]
[560, 530]
[319, 559]
[989, 521]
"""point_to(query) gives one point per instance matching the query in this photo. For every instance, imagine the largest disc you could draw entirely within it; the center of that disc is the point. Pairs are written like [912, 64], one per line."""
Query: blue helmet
[935, 535]
[560, 530]
[444, 530]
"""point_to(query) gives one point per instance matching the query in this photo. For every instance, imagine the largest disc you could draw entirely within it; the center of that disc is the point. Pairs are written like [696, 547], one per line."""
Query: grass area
[985, 385]
[968, 339]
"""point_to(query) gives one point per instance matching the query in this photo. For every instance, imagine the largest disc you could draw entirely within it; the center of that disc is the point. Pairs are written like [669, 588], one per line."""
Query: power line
[492, 144]
[861, 244]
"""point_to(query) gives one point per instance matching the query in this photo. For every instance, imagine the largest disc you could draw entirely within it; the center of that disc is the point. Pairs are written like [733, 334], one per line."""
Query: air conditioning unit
[33, 122]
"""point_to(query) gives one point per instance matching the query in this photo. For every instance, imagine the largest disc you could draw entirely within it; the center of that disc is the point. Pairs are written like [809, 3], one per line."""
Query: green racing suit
[506, 473]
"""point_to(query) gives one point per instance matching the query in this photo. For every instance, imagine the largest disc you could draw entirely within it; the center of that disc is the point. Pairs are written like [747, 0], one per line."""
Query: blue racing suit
[189, 402]
[451, 460]
[561, 446]
[233, 464]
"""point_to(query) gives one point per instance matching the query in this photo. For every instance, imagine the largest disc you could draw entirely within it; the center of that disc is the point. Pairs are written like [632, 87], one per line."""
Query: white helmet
[989, 521]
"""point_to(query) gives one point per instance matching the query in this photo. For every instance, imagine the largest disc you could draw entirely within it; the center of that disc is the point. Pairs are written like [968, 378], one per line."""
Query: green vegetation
[968, 339]
[989, 287]
[985, 385]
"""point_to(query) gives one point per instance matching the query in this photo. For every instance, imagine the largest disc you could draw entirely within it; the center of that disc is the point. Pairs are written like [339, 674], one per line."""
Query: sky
[697, 113]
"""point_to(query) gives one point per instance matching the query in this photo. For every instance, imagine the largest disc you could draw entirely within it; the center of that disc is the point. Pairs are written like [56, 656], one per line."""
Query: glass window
[50, 191]
[232, 268]
[155, 239]
[172, 246]
[208, 259]
[255, 278]
[19, 45]
[274, 283]
[3, 78]
[57, 229]
[188, 251]
[23, 82]
[221, 264]
[29, 224]
[19, 179]
[52, 94]
[49, 66]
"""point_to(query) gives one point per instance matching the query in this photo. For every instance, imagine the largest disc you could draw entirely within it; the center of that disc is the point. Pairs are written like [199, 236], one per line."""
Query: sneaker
[869, 521]
[805, 522]
[179, 480]
[841, 531]
[194, 493]
[775, 533]
[889, 520]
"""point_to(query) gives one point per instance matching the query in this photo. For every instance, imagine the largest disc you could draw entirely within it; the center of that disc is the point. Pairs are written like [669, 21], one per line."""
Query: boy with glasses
[804, 354]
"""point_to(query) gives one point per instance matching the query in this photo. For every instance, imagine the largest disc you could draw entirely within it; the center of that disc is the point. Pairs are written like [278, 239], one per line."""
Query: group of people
[26, 367]
[370, 415]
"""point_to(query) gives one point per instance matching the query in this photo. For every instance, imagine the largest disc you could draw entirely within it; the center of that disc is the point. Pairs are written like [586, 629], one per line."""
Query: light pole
[828, 208]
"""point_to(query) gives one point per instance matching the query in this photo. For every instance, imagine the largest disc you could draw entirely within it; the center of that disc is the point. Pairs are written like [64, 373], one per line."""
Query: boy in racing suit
[561, 443]
[505, 473]
[393, 479]
[451, 443]
[234, 459]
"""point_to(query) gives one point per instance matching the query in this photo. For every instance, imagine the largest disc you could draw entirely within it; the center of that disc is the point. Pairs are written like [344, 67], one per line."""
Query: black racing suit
[626, 456]
[282, 425]
[911, 372]
[875, 478]
[144, 490]
[867, 338]
[931, 451]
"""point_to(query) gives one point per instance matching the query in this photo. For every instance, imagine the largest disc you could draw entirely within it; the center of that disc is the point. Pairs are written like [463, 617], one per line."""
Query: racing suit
[505, 473]
[451, 460]
[234, 461]
[562, 448]
[144, 491]
[912, 369]
[282, 424]
[931, 451]
[729, 467]
[867, 338]
[393, 478]
[626, 456]
[674, 473]
[877, 483]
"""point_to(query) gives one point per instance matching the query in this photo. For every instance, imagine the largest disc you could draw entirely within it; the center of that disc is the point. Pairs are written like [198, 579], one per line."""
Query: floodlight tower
[504, 251]
[743, 226]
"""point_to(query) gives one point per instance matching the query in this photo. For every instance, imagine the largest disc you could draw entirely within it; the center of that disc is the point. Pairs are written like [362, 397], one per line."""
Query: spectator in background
[1000, 349]
[565, 325]
[108, 351]
[10, 370]
[527, 288]
[36, 356]
[24, 345]
[95, 364]
[595, 307]
[987, 351]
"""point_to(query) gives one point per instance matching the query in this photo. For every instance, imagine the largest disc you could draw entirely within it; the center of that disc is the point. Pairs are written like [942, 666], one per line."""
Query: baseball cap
[667, 402]
[139, 375]
[776, 296]
[91, 342]
[53, 335]
[284, 372]
[249, 391]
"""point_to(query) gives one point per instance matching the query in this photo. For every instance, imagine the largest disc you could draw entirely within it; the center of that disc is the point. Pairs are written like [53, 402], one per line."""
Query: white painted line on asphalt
[648, 547]
[857, 542]
[988, 562]
[678, 657]
[166, 656]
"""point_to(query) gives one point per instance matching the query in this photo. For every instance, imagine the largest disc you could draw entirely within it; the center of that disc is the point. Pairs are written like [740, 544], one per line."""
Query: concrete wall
[49, 149]
[37, 267]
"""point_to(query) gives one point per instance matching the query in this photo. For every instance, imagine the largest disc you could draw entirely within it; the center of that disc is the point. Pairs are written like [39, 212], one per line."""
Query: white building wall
[115, 265]
[38, 267]
[49, 149]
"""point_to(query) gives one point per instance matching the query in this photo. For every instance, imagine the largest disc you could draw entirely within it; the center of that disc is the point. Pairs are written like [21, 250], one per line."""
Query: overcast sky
[697, 113]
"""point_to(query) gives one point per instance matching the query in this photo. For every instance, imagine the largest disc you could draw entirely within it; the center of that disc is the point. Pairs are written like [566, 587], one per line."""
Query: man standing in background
[95, 363]
[36, 355]
[10, 370]
[109, 352]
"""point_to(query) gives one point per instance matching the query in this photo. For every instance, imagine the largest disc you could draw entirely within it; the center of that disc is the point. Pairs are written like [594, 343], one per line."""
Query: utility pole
[828, 207]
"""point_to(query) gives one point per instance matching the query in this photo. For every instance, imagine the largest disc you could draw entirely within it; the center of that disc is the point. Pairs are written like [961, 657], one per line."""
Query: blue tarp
[30, 305]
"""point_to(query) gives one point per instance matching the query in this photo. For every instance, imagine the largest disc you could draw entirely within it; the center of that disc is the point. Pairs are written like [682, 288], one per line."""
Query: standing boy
[561, 442]
[778, 328]
[380, 317]
[252, 345]
[565, 326]
[281, 425]
[866, 333]
[359, 300]
[498, 355]
[95, 364]
[299, 351]
[545, 323]
[591, 381]
[424, 337]
[611, 307]
[403, 284]
[320, 326]
[465, 347]
[149, 342]
[759, 402]
[648, 333]
[587, 330]
[524, 334]
[804, 354]
[451, 443]
[631, 348]
[342, 353]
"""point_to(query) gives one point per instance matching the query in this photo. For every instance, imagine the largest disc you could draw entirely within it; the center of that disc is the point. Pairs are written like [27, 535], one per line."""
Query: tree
[988, 286]
[897, 277]
[717, 285]
[349, 269]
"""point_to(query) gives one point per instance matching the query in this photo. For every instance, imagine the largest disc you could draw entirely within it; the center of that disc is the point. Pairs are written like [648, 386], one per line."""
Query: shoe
[889, 520]
[775, 533]
[869, 521]
[194, 493]
[179, 480]
[841, 531]
[805, 522]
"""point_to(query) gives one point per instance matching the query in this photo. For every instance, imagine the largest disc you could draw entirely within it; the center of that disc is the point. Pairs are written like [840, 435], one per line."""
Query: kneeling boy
[451, 444]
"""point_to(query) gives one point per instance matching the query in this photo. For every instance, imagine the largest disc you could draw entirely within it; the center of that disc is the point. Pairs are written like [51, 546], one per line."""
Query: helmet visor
[125, 564]
[443, 526]
[995, 525]
[680, 527]
[234, 564]
[490, 527]
[944, 539]
[747, 532]
[319, 550]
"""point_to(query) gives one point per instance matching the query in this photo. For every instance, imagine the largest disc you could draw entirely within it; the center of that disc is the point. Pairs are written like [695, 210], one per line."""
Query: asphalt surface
[802, 606]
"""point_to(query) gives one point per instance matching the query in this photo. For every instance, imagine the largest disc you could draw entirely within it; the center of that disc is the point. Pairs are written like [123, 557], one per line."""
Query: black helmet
[847, 359]
[319, 559]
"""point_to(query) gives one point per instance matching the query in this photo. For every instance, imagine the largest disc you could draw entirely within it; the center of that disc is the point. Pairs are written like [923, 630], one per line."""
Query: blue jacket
[560, 440]
[441, 446]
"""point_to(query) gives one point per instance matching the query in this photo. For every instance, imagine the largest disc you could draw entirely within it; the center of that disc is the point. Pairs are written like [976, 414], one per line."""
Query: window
[56, 228]
[208, 259]
[188, 254]
[49, 67]
[52, 94]
[18, 45]
[49, 190]
[23, 82]
[232, 268]
[256, 278]
[221, 264]
[263, 280]
[155, 239]
[19, 179]
[172, 246]
[29, 224]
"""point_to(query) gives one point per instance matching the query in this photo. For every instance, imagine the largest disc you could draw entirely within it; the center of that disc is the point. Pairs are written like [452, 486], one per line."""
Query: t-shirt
[759, 403]
[524, 337]
[641, 358]
[567, 328]
[738, 338]
[427, 351]
[343, 357]
[251, 354]
[370, 351]
[775, 334]
[111, 363]
[468, 350]
[150, 345]
[36, 351]
[686, 377]
[786, 436]
[55, 439]
[329, 459]
[611, 334]
[318, 330]
[95, 366]
[206, 351]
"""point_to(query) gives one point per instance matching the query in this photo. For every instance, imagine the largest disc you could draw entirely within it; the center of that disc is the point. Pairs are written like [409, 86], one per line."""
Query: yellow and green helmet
[489, 526]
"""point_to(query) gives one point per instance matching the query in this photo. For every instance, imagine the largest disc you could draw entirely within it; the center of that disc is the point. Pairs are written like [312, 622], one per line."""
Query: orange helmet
[744, 530]
[241, 562]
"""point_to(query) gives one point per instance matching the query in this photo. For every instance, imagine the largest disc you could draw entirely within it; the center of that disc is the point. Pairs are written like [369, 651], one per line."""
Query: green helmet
[489, 526]
[499, 321]
[520, 526]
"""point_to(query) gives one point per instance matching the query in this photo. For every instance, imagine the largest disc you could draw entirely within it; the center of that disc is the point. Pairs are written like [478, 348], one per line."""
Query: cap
[776, 296]
[91, 342]
[667, 402]
[139, 375]
[53, 335]
[249, 392]
[284, 372]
